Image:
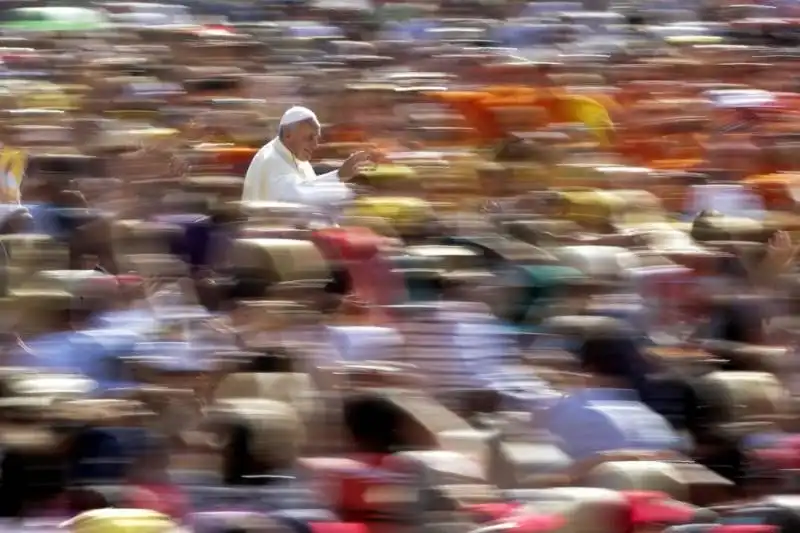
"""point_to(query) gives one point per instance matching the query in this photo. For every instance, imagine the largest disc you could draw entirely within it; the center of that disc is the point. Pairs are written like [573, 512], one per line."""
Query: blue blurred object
[168, 356]
[93, 353]
[365, 343]
[729, 199]
[101, 458]
[522, 393]
[524, 34]
[290, 497]
[24, 74]
[593, 421]
[411, 30]
[194, 243]
[139, 321]
[544, 9]
[45, 219]
[315, 31]
[104, 454]
[221, 521]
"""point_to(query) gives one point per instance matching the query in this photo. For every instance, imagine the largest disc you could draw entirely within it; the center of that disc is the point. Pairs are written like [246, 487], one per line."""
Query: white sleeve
[333, 175]
[253, 181]
[326, 189]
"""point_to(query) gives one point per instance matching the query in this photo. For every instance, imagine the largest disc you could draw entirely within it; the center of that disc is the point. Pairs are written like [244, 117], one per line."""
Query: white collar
[286, 154]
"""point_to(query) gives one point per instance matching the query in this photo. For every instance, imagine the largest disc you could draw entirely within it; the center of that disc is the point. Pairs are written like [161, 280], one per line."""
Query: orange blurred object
[224, 158]
[779, 191]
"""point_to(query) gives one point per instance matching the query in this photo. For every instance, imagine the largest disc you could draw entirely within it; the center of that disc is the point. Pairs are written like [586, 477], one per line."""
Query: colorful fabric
[12, 166]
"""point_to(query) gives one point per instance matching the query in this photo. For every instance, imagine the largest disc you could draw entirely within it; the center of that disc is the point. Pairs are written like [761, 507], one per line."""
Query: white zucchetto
[298, 114]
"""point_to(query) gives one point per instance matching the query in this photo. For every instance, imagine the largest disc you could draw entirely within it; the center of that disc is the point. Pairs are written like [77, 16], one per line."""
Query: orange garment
[344, 133]
[648, 148]
[557, 108]
[349, 133]
[234, 158]
[470, 105]
[613, 107]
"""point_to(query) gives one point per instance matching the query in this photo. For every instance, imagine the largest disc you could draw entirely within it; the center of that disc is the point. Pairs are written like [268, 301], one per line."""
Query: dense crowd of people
[319, 266]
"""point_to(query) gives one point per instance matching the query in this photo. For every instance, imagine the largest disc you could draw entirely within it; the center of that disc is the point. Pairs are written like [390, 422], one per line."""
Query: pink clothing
[163, 498]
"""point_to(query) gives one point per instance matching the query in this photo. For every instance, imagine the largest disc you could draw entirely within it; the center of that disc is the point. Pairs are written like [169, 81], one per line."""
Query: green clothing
[52, 19]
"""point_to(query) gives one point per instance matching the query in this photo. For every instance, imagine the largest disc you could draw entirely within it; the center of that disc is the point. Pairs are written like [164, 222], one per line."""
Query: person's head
[299, 131]
[613, 358]
[244, 285]
[374, 423]
[257, 437]
[98, 456]
[738, 319]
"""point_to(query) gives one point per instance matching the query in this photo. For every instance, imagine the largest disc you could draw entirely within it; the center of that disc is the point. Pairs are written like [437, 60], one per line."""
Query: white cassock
[275, 175]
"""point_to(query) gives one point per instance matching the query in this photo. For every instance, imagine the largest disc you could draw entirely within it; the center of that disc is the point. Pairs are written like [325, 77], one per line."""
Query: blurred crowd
[563, 297]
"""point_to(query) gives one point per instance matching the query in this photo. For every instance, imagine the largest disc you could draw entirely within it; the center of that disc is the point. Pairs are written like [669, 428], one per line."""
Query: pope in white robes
[281, 172]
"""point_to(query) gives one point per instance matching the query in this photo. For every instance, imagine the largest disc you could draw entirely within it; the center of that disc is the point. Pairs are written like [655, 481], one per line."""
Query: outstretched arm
[326, 189]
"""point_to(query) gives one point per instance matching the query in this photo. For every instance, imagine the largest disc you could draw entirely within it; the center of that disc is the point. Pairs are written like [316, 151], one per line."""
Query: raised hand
[354, 164]
[781, 251]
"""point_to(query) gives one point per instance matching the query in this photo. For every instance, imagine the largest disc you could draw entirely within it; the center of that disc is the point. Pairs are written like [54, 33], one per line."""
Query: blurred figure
[462, 347]
[56, 331]
[728, 199]
[33, 479]
[375, 425]
[608, 415]
[281, 172]
[259, 443]
[150, 486]
[99, 457]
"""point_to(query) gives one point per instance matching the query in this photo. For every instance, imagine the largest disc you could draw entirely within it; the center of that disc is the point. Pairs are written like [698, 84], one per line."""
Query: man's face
[302, 139]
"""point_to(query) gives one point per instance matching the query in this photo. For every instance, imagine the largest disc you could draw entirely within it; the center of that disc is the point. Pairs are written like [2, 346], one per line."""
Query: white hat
[298, 114]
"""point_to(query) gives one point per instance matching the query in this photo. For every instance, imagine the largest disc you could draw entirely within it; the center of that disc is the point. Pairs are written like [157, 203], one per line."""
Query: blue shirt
[458, 344]
[93, 353]
[140, 321]
[365, 343]
[45, 219]
[592, 421]
[176, 337]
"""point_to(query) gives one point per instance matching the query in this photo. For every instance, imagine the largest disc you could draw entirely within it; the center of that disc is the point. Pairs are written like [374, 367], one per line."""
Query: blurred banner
[13, 163]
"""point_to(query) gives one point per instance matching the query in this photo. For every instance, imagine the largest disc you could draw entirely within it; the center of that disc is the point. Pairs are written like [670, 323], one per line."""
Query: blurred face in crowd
[301, 139]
